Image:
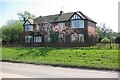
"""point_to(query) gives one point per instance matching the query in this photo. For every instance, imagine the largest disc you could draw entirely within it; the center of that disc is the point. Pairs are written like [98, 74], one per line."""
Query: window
[37, 27]
[28, 39]
[28, 28]
[61, 38]
[73, 37]
[46, 27]
[61, 25]
[80, 38]
[37, 38]
[77, 37]
[77, 24]
[47, 38]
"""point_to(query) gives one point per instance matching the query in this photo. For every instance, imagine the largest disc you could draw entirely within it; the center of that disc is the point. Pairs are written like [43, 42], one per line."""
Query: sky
[101, 11]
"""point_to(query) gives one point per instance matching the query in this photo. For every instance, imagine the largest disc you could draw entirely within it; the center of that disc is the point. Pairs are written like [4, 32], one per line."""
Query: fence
[73, 45]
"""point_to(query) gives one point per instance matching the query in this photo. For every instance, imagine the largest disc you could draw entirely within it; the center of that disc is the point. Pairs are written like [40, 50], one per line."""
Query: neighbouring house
[71, 29]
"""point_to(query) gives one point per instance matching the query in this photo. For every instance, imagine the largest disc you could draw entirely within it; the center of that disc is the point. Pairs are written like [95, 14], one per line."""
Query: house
[73, 29]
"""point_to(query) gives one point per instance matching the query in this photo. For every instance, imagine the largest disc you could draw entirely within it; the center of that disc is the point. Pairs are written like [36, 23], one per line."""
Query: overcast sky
[99, 10]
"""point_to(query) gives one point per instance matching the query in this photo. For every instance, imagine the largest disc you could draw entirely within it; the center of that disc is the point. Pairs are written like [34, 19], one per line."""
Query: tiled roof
[64, 17]
[43, 19]
[60, 17]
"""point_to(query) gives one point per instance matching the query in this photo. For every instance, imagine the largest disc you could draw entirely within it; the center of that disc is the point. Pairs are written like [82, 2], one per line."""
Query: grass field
[98, 59]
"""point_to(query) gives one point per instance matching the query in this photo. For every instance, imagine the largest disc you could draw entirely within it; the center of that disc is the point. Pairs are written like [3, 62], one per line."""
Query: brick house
[74, 29]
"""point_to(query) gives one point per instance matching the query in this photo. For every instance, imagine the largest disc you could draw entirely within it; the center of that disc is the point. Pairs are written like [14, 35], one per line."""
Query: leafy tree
[26, 15]
[12, 32]
[104, 31]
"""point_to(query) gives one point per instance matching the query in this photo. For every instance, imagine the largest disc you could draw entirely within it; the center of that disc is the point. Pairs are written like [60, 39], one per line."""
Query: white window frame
[81, 37]
[76, 23]
[29, 27]
[38, 27]
[61, 38]
[46, 27]
[77, 37]
[37, 38]
[28, 38]
[73, 37]
[47, 38]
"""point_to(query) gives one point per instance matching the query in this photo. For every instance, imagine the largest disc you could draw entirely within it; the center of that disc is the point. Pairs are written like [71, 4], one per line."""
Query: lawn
[84, 58]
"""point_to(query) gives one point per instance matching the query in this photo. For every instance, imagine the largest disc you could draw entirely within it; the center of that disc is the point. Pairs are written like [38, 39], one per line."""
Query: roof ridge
[62, 17]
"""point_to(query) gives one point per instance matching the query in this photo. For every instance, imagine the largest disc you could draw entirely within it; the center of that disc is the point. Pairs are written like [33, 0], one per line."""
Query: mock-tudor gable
[28, 22]
[75, 16]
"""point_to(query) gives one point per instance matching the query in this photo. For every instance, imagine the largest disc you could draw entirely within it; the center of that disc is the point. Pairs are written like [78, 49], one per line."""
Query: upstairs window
[28, 28]
[61, 26]
[77, 23]
[46, 27]
[37, 27]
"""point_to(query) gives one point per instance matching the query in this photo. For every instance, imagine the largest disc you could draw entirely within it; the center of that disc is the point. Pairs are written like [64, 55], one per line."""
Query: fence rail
[74, 45]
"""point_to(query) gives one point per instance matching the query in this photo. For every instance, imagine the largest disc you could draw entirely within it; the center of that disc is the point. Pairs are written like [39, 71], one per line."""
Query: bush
[117, 40]
[54, 37]
[105, 40]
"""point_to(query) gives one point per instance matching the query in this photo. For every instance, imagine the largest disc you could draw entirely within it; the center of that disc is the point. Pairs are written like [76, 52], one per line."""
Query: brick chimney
[61, 12]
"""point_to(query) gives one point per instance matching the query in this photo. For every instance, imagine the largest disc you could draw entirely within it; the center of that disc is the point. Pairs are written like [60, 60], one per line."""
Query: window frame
[77, 38]
[29, 39]
[28, 27]
[77, 23]
[61, 37]
[38, 39]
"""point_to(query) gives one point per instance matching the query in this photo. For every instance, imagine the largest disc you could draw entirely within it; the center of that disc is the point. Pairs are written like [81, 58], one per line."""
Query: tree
[26, 15]
[12, 32]
[104, 31]
[54, 37]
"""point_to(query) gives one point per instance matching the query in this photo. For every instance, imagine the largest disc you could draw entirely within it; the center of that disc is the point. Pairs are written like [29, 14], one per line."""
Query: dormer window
[77, 23]
[29, 27]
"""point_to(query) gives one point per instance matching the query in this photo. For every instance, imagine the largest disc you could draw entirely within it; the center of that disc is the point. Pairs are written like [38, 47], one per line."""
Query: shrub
[105, 40]
[117, 40]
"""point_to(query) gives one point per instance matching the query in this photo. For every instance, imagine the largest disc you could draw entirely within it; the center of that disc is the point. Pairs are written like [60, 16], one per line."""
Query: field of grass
[85, 58]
